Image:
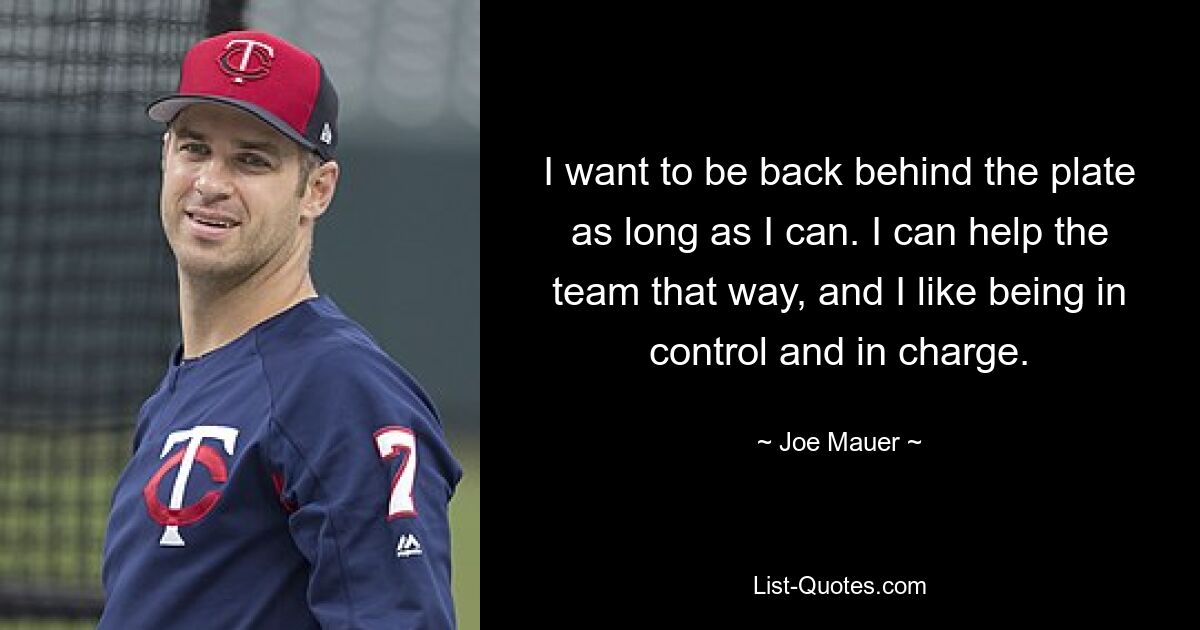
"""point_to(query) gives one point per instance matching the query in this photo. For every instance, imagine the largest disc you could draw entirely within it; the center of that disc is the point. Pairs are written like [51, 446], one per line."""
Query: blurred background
[88, 310]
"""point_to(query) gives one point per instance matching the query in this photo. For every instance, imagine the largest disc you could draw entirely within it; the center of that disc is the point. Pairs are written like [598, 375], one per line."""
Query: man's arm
[368, 477]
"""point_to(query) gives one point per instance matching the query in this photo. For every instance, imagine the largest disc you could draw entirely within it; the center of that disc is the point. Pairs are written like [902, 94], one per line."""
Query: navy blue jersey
[293, 478]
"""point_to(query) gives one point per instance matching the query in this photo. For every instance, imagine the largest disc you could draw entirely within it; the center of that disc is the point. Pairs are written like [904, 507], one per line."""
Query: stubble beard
[227, 268]
[214, 270]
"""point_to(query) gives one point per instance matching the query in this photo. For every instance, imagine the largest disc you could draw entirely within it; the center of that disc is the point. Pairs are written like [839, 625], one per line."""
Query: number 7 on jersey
[392, 442]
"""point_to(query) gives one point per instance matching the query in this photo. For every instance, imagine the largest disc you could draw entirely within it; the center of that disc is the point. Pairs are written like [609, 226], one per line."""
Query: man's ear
[166, 146]
[318, 194]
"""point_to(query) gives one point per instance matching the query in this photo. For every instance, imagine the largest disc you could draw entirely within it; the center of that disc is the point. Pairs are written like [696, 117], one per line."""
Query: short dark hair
[308, 162]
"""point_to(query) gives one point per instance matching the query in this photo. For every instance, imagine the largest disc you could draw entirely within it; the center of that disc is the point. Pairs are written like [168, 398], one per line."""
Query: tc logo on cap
[250, 59]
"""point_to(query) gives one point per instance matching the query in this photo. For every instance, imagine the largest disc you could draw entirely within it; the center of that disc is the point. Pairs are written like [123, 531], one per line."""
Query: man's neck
[213, 316]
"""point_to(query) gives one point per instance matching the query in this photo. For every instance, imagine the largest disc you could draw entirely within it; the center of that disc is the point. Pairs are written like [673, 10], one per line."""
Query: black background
[632, 495]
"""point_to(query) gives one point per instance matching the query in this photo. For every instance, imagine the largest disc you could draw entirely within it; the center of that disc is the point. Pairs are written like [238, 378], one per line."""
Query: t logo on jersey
[177, 514]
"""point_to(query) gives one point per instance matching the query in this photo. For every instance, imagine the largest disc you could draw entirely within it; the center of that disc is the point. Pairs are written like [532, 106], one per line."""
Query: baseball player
[286, 473]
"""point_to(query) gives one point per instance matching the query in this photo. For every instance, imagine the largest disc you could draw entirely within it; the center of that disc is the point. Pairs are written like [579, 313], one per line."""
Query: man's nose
[213, 182]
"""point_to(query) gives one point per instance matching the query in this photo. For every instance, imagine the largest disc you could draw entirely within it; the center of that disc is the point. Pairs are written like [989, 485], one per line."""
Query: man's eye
[250, 159]
[195, 148]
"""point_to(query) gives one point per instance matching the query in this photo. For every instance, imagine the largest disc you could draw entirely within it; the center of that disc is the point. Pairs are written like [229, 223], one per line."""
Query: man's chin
[208, 267]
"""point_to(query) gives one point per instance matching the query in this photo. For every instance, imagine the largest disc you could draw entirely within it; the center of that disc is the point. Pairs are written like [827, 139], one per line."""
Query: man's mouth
[206, 224]
[220, 224]
[212, 220]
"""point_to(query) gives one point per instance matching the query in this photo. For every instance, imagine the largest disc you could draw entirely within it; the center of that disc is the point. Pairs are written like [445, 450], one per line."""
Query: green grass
[52, 522]
[54, 495]
[45, 624]
[464, 523]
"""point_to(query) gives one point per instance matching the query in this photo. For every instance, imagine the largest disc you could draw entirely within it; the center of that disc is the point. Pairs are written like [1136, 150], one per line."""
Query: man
[286, 473]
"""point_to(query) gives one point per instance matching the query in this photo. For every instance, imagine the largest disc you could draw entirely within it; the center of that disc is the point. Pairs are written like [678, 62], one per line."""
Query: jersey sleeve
[365, 472]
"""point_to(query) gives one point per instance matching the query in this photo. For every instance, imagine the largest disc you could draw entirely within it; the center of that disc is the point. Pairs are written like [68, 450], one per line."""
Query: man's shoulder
[315, 337]
[322, 353]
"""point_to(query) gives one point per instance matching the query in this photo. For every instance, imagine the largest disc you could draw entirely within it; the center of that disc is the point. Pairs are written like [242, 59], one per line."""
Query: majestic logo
[246, 59]
[408, 546]
[177, 514]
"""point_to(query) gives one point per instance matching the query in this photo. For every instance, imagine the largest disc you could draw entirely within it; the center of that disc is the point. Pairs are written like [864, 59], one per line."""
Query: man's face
[229, 204]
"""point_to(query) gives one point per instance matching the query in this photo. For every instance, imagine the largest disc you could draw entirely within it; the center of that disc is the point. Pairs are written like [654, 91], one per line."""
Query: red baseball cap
[267, 76]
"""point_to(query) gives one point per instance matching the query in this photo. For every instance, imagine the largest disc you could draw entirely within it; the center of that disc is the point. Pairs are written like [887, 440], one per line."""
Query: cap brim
[165, 109]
